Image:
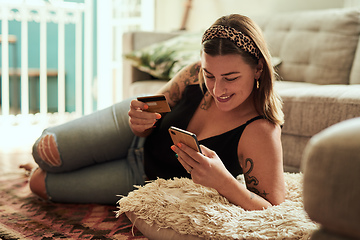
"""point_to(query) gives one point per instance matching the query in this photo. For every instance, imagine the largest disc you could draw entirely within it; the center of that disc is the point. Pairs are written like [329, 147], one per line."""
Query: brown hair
[267, 101]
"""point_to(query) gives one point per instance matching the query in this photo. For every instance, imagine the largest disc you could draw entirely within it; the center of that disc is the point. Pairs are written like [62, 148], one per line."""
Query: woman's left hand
[206, 169]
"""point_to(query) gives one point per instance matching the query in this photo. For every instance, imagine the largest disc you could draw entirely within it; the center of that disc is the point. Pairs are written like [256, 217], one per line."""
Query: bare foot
[27, 166]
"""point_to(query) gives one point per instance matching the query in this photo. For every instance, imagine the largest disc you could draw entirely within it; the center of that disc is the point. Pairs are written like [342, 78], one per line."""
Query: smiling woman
[228, 77]
[246, 40]
[236, 78]
[226, 99]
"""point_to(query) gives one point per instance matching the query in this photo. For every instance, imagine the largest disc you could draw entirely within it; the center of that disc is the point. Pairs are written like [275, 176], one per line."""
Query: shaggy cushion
[181, 209]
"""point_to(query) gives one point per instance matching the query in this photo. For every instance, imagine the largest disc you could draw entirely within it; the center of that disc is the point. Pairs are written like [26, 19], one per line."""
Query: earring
[257, 83]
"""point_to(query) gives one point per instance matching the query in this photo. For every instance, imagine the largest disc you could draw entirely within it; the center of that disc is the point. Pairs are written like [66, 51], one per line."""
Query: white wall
[169, 13]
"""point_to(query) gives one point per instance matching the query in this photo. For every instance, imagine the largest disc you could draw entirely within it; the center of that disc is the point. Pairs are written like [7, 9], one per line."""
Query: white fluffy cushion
[181, 209]
[315, 46]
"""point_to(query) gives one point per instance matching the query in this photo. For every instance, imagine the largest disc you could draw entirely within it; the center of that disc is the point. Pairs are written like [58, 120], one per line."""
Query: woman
[227, 100]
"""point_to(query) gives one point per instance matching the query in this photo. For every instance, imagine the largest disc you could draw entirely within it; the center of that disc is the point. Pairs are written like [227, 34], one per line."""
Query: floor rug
[23, 216]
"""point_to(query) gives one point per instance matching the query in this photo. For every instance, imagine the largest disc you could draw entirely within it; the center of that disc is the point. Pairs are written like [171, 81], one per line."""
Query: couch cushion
[293, 148]
[355, 71]
[283, 85]
[309, 110]
[315, 46]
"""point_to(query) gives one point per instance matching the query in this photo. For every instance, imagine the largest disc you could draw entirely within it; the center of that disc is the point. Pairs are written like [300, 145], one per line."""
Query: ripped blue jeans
[92, 159]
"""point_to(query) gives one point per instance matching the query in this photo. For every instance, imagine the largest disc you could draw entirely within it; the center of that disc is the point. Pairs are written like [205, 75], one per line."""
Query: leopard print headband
[241, 40]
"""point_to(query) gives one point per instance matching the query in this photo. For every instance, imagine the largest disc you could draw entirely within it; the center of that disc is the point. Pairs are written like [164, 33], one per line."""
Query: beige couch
[319, 70]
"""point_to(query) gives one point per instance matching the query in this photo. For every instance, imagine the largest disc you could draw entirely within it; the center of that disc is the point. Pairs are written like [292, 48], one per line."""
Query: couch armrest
[134, 41]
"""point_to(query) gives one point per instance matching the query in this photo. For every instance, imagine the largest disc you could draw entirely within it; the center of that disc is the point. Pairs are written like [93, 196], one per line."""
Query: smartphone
[156, 103]
[181, 136]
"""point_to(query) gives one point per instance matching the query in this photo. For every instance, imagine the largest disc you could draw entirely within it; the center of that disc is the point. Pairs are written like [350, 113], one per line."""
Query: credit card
[156, 103]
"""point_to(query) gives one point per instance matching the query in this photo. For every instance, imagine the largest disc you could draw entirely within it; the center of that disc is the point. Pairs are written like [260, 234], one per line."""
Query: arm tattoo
[187, 78]
[252, 180]
[205, 103]
[194, 72]
[174, 92]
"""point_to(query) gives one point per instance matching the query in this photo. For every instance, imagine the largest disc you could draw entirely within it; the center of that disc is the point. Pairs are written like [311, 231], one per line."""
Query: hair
[267, 101]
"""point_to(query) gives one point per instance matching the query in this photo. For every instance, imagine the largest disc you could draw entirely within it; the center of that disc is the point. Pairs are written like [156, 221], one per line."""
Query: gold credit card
[156, 103]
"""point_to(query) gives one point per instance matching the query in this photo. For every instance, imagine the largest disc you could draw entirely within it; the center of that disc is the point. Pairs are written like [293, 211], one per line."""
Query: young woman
[227, 100]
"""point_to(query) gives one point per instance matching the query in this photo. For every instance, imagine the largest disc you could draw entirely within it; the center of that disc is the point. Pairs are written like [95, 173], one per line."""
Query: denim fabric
[100, 158]
[101, 183]
[136, 159]
[95, 138]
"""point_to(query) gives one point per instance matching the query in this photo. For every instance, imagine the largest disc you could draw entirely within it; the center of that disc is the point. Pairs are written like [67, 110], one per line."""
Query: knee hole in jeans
[48, 150]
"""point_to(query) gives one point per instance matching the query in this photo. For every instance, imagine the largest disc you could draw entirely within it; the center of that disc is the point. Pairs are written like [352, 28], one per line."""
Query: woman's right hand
[141, 121]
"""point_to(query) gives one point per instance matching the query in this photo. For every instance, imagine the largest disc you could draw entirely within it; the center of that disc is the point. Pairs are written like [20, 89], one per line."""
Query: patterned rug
[23, 216]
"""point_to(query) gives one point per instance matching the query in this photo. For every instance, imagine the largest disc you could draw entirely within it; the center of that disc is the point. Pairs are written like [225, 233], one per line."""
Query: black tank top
[160, 160]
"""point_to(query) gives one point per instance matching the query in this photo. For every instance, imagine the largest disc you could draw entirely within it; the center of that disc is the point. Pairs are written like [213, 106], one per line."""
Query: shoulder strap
[254, 119]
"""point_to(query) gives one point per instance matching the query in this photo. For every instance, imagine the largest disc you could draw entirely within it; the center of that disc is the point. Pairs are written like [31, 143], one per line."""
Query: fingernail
[172, 147]
[179, 145]
[158, 116]
[146, 107]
